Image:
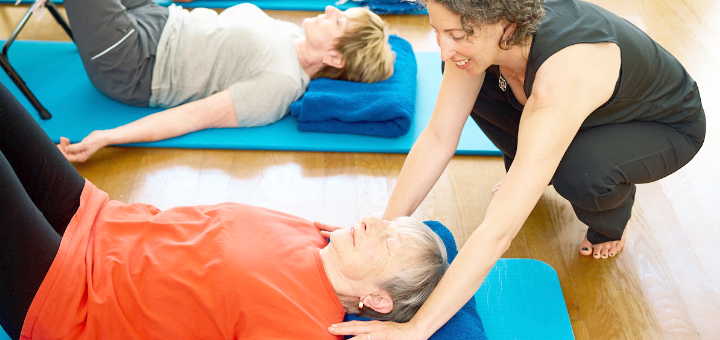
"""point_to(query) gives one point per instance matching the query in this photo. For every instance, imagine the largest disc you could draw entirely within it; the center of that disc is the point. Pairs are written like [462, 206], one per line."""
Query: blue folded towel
[466, 324]
[392, 6]
[383, 109]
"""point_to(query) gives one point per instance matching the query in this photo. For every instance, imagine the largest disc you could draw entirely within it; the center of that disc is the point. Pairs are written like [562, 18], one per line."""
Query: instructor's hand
[376, 330]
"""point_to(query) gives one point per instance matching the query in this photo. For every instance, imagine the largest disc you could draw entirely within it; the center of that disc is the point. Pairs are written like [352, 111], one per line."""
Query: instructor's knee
[592, 193]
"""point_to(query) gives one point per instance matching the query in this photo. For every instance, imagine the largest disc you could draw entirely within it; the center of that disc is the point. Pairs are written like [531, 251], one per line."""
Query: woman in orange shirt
[75, 264]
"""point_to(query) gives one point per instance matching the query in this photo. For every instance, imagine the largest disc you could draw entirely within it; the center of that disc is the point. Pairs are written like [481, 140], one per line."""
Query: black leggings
[599, 170]
[40, 194]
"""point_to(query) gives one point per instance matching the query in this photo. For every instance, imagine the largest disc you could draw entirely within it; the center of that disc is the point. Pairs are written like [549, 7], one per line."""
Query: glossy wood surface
[664, 285]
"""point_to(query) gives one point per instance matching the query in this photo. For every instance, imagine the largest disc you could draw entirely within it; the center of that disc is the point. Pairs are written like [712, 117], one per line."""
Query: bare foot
[602, 250]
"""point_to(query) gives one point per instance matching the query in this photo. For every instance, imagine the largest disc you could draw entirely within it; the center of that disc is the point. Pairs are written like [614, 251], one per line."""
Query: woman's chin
[473, 70]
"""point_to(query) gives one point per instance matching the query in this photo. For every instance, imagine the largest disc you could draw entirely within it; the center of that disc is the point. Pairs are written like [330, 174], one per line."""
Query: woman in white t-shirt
[239, 68]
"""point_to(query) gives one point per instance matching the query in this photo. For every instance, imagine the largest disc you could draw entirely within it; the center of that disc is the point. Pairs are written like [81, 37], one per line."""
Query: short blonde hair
[364, 48]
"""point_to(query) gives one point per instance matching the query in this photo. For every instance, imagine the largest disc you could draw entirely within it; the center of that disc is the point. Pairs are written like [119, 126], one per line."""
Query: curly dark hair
[527, 15]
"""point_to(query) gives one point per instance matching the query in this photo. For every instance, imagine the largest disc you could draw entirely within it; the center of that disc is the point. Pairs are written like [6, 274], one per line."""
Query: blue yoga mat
[54, 72]
[520, 299]
[289, 5]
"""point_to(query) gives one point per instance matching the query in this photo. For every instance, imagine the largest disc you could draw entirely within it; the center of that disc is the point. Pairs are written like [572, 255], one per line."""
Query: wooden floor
[664, 285]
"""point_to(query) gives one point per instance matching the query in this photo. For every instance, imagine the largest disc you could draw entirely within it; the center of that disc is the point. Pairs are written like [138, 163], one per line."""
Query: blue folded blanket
[383, 109]
[466, 324]
[392, 6]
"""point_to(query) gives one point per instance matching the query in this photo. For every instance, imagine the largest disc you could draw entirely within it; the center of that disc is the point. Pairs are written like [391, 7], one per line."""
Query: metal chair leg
[5, 62]
[60, 20]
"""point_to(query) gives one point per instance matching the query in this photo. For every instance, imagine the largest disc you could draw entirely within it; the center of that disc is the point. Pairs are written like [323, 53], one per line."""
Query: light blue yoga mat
[288, 5]
[54, 72]
[520, 299]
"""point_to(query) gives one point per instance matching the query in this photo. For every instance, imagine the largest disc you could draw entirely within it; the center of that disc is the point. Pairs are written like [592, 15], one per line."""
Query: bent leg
[48, 179]
[117, 41]
[28, 245]
[599, 171]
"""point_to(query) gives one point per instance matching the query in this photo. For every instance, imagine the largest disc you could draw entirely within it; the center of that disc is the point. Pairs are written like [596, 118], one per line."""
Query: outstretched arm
[425, 163]
[214, 111]
[437, 144]
[550, 120]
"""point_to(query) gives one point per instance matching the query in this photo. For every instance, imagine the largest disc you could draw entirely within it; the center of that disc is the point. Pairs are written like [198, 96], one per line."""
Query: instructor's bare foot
[602, 250]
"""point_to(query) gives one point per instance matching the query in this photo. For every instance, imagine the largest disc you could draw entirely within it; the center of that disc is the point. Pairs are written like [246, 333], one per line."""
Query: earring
[506, 44]
[360, 306]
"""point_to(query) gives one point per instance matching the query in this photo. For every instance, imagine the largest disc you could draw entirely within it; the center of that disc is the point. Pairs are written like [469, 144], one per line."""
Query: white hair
[411, 287]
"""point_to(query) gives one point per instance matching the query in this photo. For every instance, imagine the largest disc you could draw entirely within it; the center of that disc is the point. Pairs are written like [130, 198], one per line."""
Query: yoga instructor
[572, 95]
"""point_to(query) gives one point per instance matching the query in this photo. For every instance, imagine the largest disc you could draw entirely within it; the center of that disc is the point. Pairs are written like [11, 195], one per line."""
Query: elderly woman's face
[368, 251]
[322, 30]
[473, 55]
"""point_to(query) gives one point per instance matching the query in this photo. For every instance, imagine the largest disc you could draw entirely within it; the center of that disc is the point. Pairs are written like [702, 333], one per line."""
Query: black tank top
[653, 85]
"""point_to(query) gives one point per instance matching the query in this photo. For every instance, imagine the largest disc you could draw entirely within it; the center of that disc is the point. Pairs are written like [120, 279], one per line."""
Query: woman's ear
[381, 302]
[334, 59]
[508, 30]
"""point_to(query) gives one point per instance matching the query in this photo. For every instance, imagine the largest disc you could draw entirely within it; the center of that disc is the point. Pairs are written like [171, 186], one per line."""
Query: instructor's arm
[437, 144]
[550, 120]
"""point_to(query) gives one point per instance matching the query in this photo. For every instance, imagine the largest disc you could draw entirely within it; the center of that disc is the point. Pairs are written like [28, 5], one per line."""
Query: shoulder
[584, 74]
[578, 60]
[570, 22]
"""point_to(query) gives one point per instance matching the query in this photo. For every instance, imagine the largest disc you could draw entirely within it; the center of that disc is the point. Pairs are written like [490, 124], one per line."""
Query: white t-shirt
[241, 49]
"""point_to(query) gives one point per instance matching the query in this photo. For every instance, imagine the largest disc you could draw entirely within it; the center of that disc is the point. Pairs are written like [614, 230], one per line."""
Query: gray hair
[411, 287]
[527, 15]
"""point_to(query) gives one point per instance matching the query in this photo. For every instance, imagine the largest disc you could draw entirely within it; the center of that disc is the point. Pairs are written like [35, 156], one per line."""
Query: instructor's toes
[613, 250]
[586, 247]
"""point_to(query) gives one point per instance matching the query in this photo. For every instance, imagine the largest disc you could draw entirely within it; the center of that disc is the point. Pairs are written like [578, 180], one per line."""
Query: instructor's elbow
[503, 243]
[442, 144]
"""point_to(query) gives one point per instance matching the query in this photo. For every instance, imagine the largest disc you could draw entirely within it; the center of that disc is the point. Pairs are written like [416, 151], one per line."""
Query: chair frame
[5, 62]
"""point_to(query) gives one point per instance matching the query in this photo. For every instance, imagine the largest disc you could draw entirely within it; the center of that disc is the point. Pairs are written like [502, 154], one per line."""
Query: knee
[575, 189]
[591, 189]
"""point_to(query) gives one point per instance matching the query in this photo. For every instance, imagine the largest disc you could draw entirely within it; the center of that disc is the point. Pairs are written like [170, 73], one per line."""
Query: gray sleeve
[264, 98]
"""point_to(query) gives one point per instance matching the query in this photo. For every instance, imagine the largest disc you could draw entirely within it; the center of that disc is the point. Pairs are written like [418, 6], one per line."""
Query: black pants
[599, 170]
[40, 193]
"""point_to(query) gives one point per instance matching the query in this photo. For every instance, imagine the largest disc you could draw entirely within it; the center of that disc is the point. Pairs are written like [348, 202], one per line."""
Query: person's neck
[344, 287]
[311, 61]
[515, 59]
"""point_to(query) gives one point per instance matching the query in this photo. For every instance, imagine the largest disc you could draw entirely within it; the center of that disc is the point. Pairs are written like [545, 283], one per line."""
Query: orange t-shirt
[228, 271]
